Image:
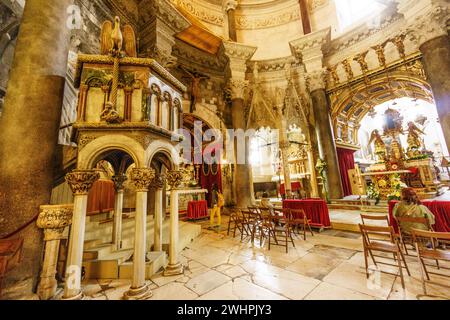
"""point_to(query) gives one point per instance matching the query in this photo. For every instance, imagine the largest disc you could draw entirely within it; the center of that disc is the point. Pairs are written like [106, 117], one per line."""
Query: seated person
[410, 207]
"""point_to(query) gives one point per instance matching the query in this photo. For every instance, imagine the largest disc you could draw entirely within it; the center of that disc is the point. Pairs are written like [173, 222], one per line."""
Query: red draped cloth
[440, 209]
[346, 162]
[294, 187]
[101, 197]
[210, 177]
[315, 209]
[197, 209]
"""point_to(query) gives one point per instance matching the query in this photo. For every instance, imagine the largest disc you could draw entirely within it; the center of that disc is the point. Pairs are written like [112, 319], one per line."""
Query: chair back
[374, 234]
[425, 238]
[365, 218]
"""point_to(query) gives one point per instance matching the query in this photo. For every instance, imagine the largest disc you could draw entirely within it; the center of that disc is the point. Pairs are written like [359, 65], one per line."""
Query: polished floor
[329, 265]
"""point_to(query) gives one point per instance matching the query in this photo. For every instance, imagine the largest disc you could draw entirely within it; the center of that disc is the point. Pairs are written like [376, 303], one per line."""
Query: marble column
[324, 132]
[142, 178]
[54, 220]
[174, 179]
[158, 186]
[230, 9]
[306, 19]
[312, 170]
[243, 175]
[118, 209]
[436, 60]
[80, 181]
[284, 148]
[29, 125]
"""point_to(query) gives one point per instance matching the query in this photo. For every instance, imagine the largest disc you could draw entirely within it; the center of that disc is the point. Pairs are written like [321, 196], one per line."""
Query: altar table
[315, 209]
[197, 209]
[440, 209]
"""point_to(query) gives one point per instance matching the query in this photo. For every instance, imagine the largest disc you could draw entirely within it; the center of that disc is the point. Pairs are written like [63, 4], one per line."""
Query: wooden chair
[280, 231]
[235, 223]
[406, 237]
[431, 246]
[298, 219]
[248, 221]
[371, 244]
[374, 218]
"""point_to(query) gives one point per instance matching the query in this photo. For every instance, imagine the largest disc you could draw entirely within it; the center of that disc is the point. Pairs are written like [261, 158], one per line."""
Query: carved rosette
[119, 181]
[81, 181]
[174, 178]
[142, 178]
[54, 219]
[158, 182]
[237, 88]
[317, 80]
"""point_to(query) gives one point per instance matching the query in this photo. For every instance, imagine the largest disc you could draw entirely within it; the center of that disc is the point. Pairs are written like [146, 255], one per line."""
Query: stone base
[79, 296]
[173, 270]
[142, 293]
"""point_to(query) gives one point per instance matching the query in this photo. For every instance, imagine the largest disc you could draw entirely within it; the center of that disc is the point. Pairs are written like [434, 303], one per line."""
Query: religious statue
[196, 78]
[414, 140]
[380, 147]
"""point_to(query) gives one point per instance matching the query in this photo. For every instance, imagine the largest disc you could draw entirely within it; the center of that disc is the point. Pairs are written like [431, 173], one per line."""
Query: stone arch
[93, 151]
[164, 148]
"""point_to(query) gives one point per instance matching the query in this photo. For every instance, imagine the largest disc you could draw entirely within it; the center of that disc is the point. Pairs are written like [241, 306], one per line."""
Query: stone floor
[329, 265]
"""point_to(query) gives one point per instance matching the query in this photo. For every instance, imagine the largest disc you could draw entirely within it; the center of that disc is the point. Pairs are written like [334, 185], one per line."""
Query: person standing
[217, 203]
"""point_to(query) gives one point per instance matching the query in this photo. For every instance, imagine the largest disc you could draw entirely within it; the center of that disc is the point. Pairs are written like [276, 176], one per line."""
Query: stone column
[238, 56]
[142, 178]
[29, 125]
[284, 149]
[325, 135]
[54, 220]
[306, 19]
[80, 181]
[174, 179]
[312, 170]
[230, 8]
[118, 209]
[158, 185]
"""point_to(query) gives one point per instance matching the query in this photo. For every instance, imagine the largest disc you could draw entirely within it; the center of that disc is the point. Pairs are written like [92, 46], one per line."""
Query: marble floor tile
[206, 282]
[314, 265]
[327, 291]
[240, 289]
[437, 288]
[332, 252]
[160, 280]
[173, 291]
[353, 277]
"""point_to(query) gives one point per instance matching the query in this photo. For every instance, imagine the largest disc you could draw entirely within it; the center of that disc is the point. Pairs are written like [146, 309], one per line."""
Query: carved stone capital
[142, 178]
[81, 181]
[174, 178]
[229, 5]
[311, 48]
[119, 181]
[238, 55]
[158, 182]
[237, 88]
[54, 219]
[317, 79]
[430, 25]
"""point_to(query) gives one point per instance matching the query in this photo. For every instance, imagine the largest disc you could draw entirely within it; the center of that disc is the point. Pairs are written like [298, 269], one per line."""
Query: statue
[380, 147]
[196, 78]
[414, 140]
[113, 40]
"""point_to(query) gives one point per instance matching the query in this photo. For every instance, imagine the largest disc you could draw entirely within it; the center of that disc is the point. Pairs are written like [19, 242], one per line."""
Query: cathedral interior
[118, 183]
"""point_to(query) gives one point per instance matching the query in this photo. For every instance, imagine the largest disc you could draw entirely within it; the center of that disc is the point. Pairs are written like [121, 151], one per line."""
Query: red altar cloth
[197, 209]
[101, 197]
[440, 209]
[316, 210]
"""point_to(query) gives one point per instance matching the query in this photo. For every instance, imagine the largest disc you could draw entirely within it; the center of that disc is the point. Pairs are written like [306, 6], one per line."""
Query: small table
[316, 210]
[197, 210]
[440, 209]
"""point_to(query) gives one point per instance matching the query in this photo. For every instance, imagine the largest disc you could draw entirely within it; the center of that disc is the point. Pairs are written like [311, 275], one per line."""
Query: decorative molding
[229, 5]
[317, 79]
[165, 11]
[286, 16]
[203, 13]
[81, 181]
[142, 178]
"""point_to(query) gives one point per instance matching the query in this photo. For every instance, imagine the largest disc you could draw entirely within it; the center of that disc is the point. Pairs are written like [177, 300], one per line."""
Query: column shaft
[232, 24]
[173, 247]
[29, 124]
[243, 176]
[140, 240]
[72, 287]
[157, 245]
[284, 147]
[436, 59]
[47, 285]
[306, 19]
[117, 226]
[326, 142]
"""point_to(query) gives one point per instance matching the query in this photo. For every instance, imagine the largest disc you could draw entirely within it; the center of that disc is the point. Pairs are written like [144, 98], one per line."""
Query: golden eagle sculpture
[113, 39]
